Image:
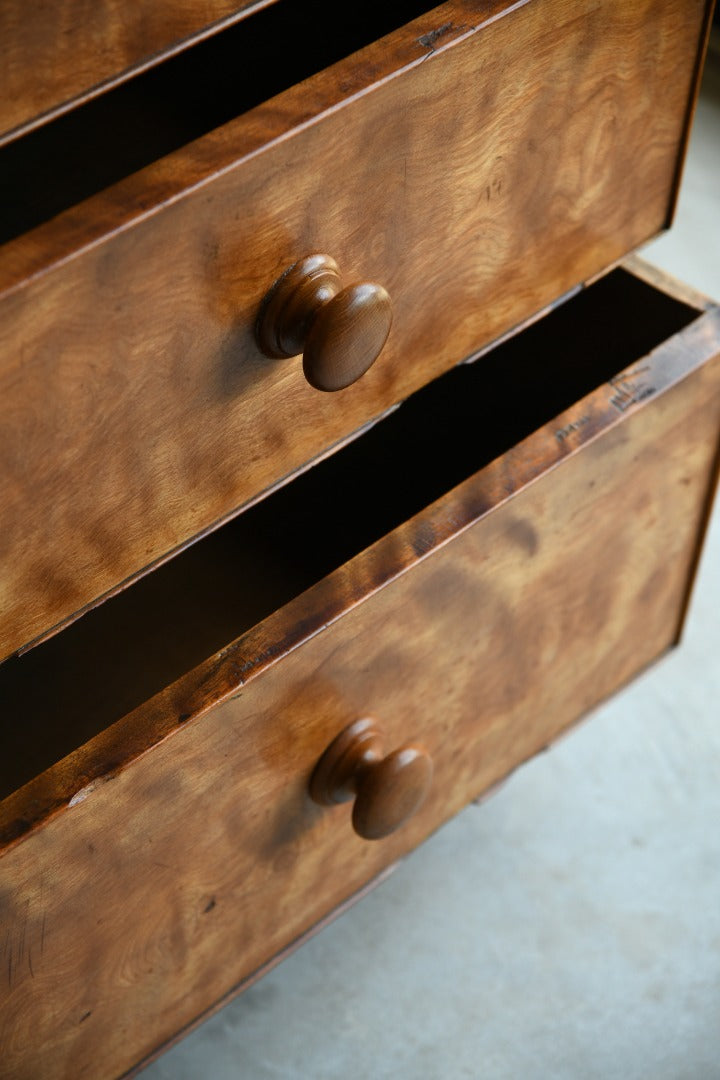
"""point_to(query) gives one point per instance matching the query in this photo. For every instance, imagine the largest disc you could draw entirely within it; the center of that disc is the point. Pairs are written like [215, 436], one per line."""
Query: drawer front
[488, 624]
[525, 153]
[55, 53]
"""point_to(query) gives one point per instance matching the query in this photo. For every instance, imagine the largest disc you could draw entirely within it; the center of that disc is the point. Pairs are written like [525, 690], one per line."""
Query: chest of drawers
[232, 600]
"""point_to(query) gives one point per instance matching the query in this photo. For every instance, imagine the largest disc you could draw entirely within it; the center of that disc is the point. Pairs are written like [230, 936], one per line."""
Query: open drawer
[475, 572]
[82, 49]
[475, 159]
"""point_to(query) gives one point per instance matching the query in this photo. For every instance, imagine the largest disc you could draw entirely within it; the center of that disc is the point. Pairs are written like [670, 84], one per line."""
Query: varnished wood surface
[512, 158]
[571, 578]
[241, 987]
[54, 53]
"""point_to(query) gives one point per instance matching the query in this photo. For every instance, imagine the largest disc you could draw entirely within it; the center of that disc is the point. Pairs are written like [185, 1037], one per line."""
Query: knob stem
[340, 331]
[293, 304]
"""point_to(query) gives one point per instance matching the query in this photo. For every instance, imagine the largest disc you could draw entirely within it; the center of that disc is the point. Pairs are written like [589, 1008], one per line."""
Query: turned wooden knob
[339, 331]
[387, 790]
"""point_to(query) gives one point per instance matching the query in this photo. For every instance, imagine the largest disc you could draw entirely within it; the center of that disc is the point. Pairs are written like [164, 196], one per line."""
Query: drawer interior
[162, 109]
[60, 694]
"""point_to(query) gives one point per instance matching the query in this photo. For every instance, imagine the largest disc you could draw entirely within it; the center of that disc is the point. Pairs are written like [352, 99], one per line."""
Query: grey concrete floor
[569, 927]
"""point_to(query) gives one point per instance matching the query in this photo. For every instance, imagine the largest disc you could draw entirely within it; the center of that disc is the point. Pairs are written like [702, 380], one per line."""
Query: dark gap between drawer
[161, 109]
[63, 692]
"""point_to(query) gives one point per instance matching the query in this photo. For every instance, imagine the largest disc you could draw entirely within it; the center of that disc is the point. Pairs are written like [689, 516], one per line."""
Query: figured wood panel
[53, 53]
[165, 884]
[479, 185]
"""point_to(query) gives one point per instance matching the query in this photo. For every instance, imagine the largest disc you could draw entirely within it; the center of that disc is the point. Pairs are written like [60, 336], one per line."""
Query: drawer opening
[60, 694]
[186, 96]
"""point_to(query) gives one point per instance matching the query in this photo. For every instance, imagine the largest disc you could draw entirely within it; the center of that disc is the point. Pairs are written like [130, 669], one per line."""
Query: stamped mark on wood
[565, 432]
[630, 388]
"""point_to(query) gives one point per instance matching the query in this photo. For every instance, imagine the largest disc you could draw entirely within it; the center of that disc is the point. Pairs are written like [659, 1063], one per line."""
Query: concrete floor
[569, 928]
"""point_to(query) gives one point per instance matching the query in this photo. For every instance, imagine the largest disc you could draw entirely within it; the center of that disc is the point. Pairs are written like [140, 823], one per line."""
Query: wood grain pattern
[138, 410]
[53, 54]
[566, 574]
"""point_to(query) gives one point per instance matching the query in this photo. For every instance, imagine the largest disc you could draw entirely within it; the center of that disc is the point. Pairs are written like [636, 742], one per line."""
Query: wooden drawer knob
[339, 331]
[387, 790]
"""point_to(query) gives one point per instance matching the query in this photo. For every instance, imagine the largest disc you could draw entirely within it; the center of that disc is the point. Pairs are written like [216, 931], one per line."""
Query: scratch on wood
[84, 1017]
[82, 794]
[42, 935]
[428, 40]
[21, 950]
